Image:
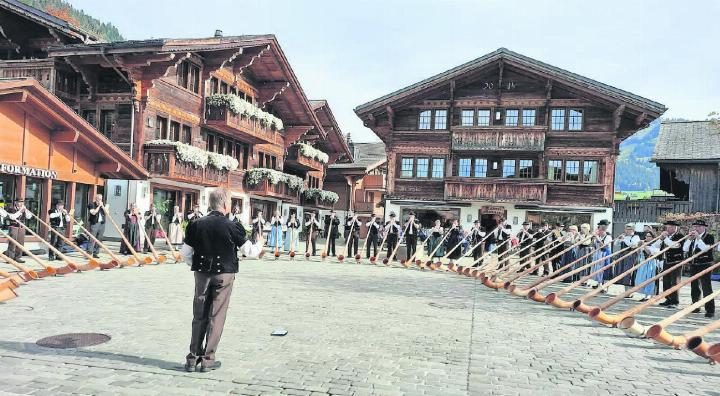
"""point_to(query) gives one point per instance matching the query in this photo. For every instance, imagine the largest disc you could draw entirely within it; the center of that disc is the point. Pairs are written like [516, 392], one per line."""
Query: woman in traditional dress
[276, 223]
[175, 228]
[291, 235]
[569, 239]
[436, 235]
[647, 270]
[631, 241]
[602, 243]
[455, 238]
[131, 230]
[258, 225]
[585, 247]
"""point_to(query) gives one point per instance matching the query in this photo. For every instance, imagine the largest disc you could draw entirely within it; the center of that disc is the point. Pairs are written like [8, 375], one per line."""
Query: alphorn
[545, 250]
[714, 352]
[291, 252]
[366, 245]
[532, 291]
[47, 269]
[341, 256]
[7, 291]
[309, 241]
[386, 260]
[278, 232]
[92, 263]
[697, 344]
[409, 261]
[430, 261]
[323, 255]
[159, 258]
[373, 259]
[25, 270]
[657, 331]
[597, 313]
[71, 266]
[12, 276]
[140, 260]
[451, 267]
[175, 253]
[488, 253]
[114, 259]
[579, 304]
[554, 298]
[472, 249]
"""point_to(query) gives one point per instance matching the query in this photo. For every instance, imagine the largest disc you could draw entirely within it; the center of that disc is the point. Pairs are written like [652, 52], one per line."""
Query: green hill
[634, 171]
[61, 9]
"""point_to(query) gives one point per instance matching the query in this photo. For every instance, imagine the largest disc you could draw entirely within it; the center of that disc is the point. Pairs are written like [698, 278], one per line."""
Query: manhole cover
[73, 340]
[448, 305]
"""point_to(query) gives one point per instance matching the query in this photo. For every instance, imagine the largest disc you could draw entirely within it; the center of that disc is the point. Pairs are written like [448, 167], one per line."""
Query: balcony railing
[496, 190]
[245, 128]
[280, 190]
[161, 161]
[499, 139]
[42, 70]
[364, 207]
[374, 182]
[295, 159]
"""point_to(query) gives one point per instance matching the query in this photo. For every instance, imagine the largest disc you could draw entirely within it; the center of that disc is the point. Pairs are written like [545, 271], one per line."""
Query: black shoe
[190, 367]
[21, 261]
[697, 310]
[710, 315]
[204, 368]
[664, 303]
[95, 255]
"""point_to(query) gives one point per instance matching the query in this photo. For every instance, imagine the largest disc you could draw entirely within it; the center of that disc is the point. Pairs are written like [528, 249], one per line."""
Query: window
[161, 128]
[440, 119]
[424, 120]
[220, 146]
[438, 168]
[464, 167]
[423, 166]
[480, 167]
[182, 74]
[508, 168]
[468, 118]
[89, 116]
[575, 120]
[590, 171]
[511, 117]
[214, 85]
[484, 117]
[555, 170]
[175, 131]
[223, 87]
[528, 117]
[406, 169]
[557, 117]
[210, 146]
[195, 79]
[188, 76]
[107, 122]
[572, 171]
[186, 134]
[526, 169]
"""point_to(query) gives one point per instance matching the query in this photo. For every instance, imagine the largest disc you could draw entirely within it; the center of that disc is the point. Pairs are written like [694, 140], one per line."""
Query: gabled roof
[652, 107]
[331, 128]
[688, 141]
[41, 103]
[48, 20]
[367, 157]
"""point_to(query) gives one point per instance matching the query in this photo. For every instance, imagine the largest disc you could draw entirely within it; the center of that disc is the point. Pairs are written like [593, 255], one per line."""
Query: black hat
[508, 226]
[476, 221]
[526, 223]
[411, 213]
[392, 214]
[19, 199]
[544, 223]
[59, 202]
[672, 223]
[603, 222]
[559, 225]
[700, 222]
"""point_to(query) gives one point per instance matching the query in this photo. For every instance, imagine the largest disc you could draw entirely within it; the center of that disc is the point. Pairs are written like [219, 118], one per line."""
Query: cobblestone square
[352, 330]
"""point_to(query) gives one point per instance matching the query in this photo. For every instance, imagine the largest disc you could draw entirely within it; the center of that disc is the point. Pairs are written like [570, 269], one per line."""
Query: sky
[351, 52]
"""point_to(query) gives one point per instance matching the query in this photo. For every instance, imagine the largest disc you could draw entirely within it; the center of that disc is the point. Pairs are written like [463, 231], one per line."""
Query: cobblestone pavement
[352, 330]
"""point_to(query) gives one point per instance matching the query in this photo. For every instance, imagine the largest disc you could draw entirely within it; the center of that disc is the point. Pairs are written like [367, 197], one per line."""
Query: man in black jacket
[411, 235]
[701, 241]
[372, 234]
[214, 240]
[332, 225]
[669, 239]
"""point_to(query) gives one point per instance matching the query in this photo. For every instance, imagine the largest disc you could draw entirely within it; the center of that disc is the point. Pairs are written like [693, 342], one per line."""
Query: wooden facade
[506, 129]
[141, 93]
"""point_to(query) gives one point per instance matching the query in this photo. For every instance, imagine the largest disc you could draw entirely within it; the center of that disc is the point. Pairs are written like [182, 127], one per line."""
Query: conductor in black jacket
[214, 240]
[332, 225]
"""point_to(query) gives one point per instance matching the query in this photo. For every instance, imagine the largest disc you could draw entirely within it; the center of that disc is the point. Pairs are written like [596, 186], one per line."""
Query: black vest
[673, 255]
[705, 258]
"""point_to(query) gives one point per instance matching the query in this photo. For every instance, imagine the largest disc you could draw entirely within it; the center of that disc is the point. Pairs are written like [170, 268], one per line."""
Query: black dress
[455, 238]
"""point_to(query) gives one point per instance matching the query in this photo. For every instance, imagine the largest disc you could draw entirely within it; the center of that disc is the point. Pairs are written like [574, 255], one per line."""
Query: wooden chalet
[508, 136]
[196, 113]
[688, 155]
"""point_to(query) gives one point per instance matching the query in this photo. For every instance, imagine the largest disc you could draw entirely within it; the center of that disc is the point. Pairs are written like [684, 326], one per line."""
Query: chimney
[218, 33]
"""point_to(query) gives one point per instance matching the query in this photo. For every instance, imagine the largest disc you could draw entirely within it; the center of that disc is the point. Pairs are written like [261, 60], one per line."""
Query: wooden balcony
[296, 160]
[364, 207]
[241, 127]
[496, 190]
[317, 203]
[498, 139]
[374, 182]
[161, 161]
[279, 191]
[42, 70]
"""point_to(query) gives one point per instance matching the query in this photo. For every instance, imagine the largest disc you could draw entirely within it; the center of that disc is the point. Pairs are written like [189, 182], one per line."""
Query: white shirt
[631, 240]
[668, 242]
[63, 219]
[699, 244]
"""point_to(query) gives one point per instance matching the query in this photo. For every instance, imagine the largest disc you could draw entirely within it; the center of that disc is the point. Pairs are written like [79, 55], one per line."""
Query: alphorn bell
[140, 260]
[412, 260]
[365, 247]
[7, 287]
[114, 259]
[554, 298]
[92, 263]
[71, 266]
[657, 331]
[597, 314]
[175, 253]
[29, 273]
[579, 304]
[159, 258]
[47, 269]
[697, 344]
[386, 260]
[14, 276]
[291, 252]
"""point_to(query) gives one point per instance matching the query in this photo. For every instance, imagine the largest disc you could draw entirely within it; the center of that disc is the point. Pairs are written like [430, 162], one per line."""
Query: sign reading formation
[27, 171]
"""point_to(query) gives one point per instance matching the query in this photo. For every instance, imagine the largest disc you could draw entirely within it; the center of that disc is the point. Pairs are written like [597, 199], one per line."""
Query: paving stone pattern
[352, 330]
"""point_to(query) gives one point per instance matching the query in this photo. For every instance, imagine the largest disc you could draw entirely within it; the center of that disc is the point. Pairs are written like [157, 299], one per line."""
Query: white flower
[311, 152]
[242, 107]
[323, 195]
[198, 157]
[256, 175]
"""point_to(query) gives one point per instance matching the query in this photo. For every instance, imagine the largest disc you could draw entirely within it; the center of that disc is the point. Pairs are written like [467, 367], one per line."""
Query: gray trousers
[212, 297]
[97, 230]
[14, 251]
[55, 241]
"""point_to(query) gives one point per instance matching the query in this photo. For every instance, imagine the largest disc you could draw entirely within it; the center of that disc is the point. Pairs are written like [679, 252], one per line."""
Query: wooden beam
[391, 116]
[501, 69]
[14, 97]
[113, 167]
[371, 118]
[639, 120]
[617, 117]
[65, 136]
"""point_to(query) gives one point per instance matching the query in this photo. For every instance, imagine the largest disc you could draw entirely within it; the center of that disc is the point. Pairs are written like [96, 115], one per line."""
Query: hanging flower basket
[311, 152]
[322, 195]
[239, 106]
[257, 175]
[196, 156]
